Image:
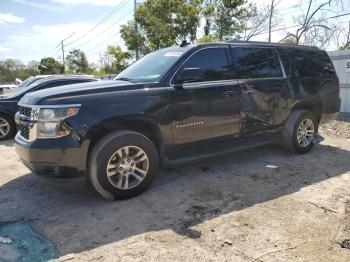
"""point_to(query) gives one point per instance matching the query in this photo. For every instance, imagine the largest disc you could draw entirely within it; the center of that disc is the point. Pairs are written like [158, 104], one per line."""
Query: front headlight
[51, 121]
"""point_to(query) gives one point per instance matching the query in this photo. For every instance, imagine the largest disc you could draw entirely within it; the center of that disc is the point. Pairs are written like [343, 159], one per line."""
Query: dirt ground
[235, 208]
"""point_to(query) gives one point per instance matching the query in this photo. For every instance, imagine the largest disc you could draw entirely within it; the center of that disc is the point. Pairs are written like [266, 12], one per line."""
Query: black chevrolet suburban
[9, 101]
[174, 105]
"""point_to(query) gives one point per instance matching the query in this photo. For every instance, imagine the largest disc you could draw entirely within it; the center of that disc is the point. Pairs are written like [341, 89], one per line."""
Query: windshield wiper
[126, 79]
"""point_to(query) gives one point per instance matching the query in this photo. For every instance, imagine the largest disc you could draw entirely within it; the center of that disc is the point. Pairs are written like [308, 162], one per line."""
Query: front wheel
[7, 127]
[123, 164]
[299, 131]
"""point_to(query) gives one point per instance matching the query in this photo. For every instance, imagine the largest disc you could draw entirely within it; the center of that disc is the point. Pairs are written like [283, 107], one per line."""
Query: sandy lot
[228, 209]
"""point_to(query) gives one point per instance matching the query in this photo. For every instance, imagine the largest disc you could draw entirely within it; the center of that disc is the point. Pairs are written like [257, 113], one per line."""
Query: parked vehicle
[175, 105]
[6, 86]
[9, 101]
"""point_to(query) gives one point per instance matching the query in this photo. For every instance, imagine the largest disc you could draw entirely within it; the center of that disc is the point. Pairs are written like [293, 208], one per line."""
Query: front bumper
[57, 158]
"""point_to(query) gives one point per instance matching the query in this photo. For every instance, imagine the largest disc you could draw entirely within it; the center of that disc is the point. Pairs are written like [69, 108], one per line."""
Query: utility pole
[136, 35]
[64, 61]
[62, 48]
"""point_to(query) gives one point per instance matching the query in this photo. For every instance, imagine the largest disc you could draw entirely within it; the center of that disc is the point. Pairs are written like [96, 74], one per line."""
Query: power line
[62, 48]
[99, 51]
[94, 37]
[293, 26]
[114, 35]
[115, 10]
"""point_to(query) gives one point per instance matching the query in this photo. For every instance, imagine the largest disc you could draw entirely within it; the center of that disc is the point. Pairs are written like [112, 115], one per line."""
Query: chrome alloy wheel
[306, 131]
[4, 127]
[127, 167]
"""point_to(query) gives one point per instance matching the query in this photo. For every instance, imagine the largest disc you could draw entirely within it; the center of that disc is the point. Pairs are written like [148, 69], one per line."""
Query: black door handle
[228, 93]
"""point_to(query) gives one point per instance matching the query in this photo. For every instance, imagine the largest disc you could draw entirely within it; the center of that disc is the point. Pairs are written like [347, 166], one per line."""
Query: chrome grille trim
[26, 120]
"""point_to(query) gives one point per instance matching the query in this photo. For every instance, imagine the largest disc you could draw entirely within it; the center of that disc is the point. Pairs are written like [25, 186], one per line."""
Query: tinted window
[311, 63]
[256, 63]
[213, 63]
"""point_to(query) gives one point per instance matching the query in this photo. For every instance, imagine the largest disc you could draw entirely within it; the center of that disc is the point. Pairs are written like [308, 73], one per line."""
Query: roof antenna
[184, 43]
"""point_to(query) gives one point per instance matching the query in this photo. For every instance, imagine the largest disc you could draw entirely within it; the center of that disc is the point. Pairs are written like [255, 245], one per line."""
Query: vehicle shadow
[7, 143]
[76, 219]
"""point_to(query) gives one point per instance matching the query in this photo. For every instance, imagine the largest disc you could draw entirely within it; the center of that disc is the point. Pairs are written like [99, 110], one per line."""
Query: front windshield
[152, 67]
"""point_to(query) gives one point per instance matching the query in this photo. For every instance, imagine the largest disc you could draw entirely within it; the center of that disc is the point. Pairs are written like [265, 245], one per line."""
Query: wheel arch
[3, 112]
[312, 104]
[137, 123]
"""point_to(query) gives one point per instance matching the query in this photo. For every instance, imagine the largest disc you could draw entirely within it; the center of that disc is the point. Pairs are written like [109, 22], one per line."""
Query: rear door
[209, 107]
[264, 85]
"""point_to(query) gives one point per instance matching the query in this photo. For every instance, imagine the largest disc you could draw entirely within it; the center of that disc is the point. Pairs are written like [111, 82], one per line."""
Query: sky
[33, 29]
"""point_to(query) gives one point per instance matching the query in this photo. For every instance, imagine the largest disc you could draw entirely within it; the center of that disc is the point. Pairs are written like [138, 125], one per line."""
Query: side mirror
[188, 75]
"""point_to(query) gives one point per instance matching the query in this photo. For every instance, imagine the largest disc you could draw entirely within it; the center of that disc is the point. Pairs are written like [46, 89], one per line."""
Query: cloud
[4, 49]
[10, 18]
[89, 2]
[39, 5]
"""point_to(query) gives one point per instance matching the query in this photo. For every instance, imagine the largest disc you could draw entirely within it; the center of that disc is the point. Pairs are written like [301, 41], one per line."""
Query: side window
[51, 84]
[312, 63]
[213, 63]
[256, 63]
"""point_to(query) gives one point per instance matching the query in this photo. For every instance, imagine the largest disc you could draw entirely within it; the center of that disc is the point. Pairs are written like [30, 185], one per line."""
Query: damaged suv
[175, 105]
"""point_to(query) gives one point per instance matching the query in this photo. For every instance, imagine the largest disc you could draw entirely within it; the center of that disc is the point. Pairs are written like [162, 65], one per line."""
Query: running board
[207, 153]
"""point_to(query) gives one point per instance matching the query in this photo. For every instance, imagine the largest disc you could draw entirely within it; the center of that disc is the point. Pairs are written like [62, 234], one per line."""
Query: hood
[7, 98]
[74, 92]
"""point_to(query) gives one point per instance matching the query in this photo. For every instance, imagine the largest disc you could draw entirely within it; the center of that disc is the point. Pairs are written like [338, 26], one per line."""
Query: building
[341, 62]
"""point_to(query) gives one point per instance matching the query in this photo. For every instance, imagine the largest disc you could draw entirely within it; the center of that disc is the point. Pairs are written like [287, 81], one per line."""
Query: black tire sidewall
[12, 124]
[303, 115]
[115, 142]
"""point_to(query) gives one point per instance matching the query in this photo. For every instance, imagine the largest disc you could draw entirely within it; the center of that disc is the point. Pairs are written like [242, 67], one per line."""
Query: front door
[208, 107]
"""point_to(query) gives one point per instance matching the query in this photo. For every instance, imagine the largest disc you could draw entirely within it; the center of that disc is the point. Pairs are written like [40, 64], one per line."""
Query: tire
[290, 134]
[7, 127]
[111, 151]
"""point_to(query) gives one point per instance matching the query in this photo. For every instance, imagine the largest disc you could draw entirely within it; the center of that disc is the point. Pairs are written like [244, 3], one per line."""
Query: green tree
[345, 47]
[49, 65]
[228, 18]
[119, 59]
[167, 22]
[31, 69]
[134, 41]
[162, 23]
[77, 61]
[10, 69]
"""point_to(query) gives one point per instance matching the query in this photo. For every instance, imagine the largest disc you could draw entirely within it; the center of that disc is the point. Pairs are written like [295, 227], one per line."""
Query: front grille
[24, 131]
[25, 111]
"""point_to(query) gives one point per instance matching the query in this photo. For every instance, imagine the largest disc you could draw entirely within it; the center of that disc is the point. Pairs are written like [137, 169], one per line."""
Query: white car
[8, 86]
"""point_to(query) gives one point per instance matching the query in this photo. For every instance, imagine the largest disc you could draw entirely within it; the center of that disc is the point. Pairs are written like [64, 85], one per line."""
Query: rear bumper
[56, 158]
[330, 110]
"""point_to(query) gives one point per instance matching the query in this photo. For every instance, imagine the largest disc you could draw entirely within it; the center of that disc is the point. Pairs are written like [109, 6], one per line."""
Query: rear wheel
[299, 131]
[7, 127]
[123, 164]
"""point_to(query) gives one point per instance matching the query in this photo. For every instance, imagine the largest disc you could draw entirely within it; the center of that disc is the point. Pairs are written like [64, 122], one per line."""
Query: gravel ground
[336, 128]
[258, 205]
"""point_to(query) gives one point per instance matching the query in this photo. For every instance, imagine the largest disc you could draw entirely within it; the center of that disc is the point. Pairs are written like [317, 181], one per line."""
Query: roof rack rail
[270, 44]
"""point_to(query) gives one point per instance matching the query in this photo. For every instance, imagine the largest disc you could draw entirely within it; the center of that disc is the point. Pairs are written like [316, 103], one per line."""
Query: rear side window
[311, 63]
[212, 61]
[255, 63]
